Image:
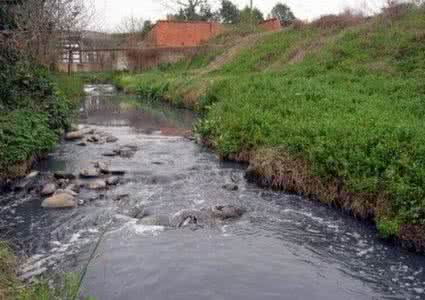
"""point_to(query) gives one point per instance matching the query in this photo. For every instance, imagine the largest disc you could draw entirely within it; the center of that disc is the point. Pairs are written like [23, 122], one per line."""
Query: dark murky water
[284, 247]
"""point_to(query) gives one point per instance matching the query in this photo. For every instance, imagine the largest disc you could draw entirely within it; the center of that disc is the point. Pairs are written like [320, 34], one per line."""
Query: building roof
[183, 22]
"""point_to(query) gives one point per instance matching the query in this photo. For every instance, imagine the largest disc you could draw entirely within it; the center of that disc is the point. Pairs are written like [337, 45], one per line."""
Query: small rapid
[283, 247]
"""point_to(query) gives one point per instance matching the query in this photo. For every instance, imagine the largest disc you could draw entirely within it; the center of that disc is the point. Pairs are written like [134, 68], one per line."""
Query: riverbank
[12, 288]
[40, 107]
[37, 108]
[34, 115]
[332, 110]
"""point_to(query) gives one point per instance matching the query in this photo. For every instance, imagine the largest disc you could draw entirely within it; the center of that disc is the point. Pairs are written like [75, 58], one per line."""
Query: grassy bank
[12, 288]
[72, 85]
[331, 110]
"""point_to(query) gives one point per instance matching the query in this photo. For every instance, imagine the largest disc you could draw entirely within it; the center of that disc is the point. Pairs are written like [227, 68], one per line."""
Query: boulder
[230, 187]
[112, 180]
[82, 144]
[93, 139]
[74, 135]
[66, 191]
[64, 175]
[87, 130]
[24, 184]
[235, 178]
[32, 175]
[133, 147]
[111, 139]
[189, 216]
[103, 167]
[97, 185]
[126, 152]
[60, 201]
[59, 191]
[48, 189]
[160, 220]
[223, 212]
[63, 182]
[28, 182]
[90, 173]
[137, 212]
[110, 154]
[121, 196]
[73, 187]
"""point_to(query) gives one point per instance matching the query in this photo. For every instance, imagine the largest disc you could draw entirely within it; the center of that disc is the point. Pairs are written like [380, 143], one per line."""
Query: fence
[119, 59]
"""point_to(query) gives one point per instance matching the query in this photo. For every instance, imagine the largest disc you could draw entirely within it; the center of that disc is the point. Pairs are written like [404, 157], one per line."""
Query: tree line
[227, 13]
[201, 10]
[34, 28]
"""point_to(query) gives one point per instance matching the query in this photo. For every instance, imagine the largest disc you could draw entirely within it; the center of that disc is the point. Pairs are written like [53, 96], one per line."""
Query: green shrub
[34, 113]
[22, 134]
[388, 228]
[152, 93]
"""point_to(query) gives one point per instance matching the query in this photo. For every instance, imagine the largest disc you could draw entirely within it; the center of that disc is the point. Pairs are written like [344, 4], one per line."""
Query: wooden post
[70, 59]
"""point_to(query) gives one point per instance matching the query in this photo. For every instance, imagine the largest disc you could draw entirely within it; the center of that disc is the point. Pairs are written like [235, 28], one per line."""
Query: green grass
[348, 103]
[12, 288]
[72, 85]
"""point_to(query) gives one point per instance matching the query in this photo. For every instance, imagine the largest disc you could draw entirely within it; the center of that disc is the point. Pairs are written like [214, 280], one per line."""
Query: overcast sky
[110, 12]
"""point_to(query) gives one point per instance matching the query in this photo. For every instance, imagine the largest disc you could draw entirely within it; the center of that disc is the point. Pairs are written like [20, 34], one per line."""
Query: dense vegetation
[33, 113]
[12, 288]
[36, 107]
[334, 110]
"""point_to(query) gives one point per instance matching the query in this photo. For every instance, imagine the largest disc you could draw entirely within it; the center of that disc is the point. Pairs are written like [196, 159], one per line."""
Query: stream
[283, 247]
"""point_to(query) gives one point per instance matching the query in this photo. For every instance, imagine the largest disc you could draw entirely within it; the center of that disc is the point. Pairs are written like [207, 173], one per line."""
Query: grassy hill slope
[332, 111]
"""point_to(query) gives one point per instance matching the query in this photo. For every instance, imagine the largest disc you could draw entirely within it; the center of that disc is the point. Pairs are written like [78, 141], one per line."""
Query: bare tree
[190, 9]
[130, 24]
[40, 25]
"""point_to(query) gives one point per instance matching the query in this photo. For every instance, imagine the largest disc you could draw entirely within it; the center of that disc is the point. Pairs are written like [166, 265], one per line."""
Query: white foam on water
[199, 202]
[39, 263]
[306, 214]
[132, 226]
[335, 227]
[224, 231]
[142, 229]
[32, 274]
[365, 251]
[75, 237]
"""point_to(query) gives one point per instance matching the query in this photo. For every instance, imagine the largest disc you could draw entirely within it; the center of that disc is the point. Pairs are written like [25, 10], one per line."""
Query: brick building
[270, 25]
[181, 33]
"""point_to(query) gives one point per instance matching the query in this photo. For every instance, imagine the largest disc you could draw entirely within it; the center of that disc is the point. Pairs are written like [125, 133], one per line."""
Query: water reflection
[143, 117]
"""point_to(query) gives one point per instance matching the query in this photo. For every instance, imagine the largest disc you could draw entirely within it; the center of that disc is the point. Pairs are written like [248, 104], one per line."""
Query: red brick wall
[270, 25]
[181, 34]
